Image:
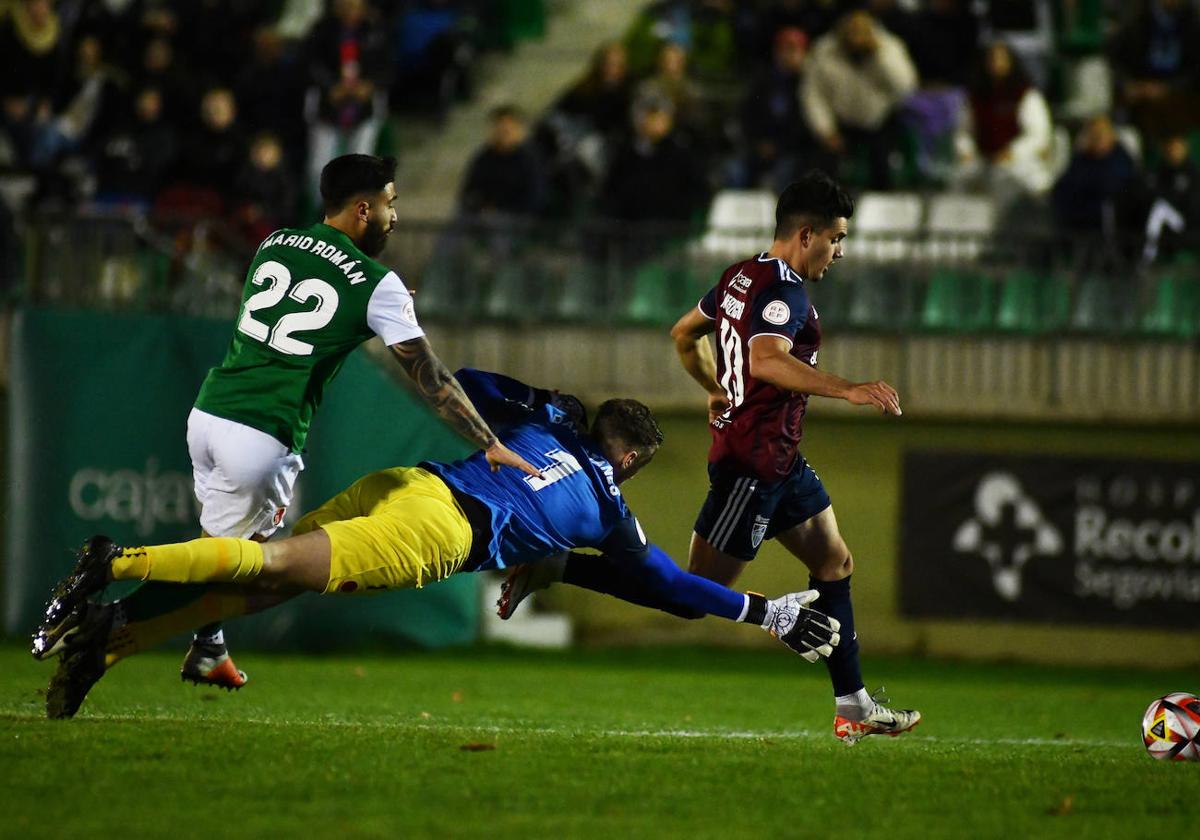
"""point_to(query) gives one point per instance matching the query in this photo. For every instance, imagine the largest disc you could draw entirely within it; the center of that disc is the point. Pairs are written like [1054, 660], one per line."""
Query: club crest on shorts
[758, 530]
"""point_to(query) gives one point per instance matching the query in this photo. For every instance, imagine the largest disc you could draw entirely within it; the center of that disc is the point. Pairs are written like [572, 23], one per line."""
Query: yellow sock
[216, 604]
[210, 559]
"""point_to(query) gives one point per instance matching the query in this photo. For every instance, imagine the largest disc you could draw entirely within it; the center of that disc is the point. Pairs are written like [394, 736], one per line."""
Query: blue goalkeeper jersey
[576, 504]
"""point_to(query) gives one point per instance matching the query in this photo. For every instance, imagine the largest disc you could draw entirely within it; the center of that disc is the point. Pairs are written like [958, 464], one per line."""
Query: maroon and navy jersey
[760, 431]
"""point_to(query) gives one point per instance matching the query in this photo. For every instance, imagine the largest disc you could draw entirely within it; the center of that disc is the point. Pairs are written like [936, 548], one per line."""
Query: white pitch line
[683, 734]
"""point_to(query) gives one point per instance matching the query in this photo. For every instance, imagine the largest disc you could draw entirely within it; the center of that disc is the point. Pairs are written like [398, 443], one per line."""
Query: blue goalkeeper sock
[843, 664]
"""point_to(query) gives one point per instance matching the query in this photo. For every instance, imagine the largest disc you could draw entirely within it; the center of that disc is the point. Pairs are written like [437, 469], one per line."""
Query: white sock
[217, 638]
[854, 706]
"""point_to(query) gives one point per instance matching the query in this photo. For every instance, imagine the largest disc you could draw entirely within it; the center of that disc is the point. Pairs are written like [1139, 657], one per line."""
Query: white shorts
[243, 478]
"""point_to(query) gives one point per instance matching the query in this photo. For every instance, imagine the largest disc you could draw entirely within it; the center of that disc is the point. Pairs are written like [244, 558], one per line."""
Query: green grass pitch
[658, 742]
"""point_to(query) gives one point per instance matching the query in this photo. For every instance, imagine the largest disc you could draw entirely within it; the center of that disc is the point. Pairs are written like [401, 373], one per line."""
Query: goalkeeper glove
[809, 633]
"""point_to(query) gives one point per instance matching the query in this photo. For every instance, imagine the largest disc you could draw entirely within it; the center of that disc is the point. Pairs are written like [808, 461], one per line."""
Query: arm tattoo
[440, 389]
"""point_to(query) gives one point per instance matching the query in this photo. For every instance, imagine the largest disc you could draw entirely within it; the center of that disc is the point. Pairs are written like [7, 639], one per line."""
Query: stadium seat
[580, 293]
[1174, 309]
[876, 298]
[1103, 306]
[958, 301]
[652, 300]
[958, 225]
[1018, 307]
[740, 222]
[885, 225]
[507, 297]
[1031, 303]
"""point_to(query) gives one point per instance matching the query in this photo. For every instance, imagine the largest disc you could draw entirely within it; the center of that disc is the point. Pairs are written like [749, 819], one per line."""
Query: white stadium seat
[740, 222]
[958, 225]
[885, 225]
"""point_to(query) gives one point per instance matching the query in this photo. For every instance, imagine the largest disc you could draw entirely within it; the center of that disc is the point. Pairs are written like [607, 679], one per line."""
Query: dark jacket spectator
[349, 62]
[34, 49]
[1156, 58]
[655, 176]
[270, 94]
[214, 151]
[603, 96]
[671, 82]
[943, 40]
[265, 191]
[505, 177]
[772, 122]
[138, 154]
[160, 70]
[1088, 196]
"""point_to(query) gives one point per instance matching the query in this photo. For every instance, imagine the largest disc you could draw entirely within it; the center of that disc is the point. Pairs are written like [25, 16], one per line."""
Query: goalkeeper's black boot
[89, 577]
[83, 662]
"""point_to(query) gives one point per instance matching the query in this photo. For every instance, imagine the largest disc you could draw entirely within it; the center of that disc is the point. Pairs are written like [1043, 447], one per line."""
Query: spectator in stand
[220, 34]
[1089, 196]
[34, 47]
[432, 55]
[264, 191]
[1172, 198]
[704, 28]
[1156, 56]
[216, 149]
[1007, 136]
[350, 64]
[655, 175]
[773, 128]
[270, 94]
[603, 96]
[86, 105]
[943, 39]
[161, 71]
[813, 17]
[505, 177]
[671, 82]
[138, 154]
[857, 78]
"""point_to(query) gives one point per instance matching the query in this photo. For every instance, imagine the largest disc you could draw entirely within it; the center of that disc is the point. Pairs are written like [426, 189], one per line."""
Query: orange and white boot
[211, 665]
[878, 720]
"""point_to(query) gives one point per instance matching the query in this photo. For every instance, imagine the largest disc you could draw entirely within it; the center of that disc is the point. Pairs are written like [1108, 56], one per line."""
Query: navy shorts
[741, 511]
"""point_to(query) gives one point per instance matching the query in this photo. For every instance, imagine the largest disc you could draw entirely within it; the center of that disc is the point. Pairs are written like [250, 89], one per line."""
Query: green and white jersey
[311, 297]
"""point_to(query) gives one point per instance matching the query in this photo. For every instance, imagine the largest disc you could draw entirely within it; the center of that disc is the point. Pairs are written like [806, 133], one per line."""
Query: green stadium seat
[1018, 309]
[1174, 310]
[652, 299]
[1031, 304]
[958, 301]
[507, 297]
[874, 299]
[580, 294]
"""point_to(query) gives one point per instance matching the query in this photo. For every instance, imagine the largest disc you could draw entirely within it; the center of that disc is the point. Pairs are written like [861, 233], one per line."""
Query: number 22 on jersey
[280, 337]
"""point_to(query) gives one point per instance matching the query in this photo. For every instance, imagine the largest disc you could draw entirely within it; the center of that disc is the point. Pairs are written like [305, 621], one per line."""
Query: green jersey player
[312, 296]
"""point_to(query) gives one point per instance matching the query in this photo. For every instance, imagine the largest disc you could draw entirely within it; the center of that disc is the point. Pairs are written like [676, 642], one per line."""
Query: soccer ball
[1171, 728]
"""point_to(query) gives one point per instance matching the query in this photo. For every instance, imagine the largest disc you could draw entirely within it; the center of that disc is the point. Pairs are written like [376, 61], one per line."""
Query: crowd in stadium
[1085, 108]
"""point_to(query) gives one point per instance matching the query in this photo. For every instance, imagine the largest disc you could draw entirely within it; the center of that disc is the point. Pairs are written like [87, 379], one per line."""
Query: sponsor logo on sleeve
[408, 312]
[776, 312]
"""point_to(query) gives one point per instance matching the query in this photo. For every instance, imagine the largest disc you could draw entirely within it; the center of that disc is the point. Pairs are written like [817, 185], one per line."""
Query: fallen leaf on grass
[1062, 808]
[456, 696]
[477, 746]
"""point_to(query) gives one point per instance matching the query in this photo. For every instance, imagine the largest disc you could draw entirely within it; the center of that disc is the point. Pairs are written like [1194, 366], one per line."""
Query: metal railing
[611, 274]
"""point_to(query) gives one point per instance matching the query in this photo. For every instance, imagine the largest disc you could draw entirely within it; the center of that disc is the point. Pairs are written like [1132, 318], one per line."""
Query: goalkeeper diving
[407, 526]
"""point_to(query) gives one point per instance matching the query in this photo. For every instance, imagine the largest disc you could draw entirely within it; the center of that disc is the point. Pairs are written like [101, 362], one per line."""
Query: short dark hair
[629, 422]
[347, 176]
[814, 199]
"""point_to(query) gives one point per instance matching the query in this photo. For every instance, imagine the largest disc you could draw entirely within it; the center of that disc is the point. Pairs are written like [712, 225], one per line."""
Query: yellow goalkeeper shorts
[394, 529]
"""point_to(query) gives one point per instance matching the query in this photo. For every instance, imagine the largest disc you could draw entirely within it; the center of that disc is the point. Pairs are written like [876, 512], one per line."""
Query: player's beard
[374, 238]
